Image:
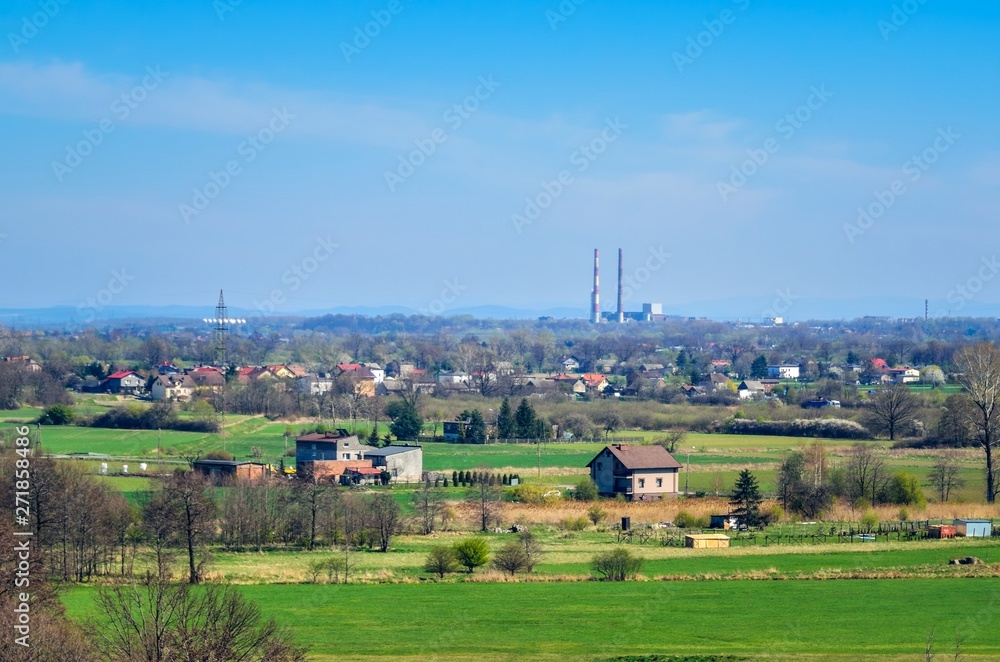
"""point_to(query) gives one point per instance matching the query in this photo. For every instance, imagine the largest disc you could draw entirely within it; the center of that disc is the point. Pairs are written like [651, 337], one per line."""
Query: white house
[314, 384]
[783, 371]
[749, 388]
[904, 375]
[452, 377]
[172, 388]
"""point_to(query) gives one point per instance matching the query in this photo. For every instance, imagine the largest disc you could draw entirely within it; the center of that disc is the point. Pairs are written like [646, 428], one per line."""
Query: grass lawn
[849, 620]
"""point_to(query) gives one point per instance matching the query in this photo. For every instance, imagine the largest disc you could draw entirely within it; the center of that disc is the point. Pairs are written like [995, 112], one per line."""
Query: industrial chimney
[621, 311]
[595, 299]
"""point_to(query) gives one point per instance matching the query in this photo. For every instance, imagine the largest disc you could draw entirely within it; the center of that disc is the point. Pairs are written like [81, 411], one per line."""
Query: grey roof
[389, 450]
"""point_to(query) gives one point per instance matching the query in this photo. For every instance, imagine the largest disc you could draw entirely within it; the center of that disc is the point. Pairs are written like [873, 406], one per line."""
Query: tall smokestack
[595, 300]
[621, 311]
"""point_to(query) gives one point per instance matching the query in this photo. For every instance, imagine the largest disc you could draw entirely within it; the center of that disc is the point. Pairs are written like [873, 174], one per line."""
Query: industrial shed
[974, 528]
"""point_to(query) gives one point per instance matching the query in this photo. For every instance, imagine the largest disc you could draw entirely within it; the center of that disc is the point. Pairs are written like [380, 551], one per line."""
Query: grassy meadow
[844, 620]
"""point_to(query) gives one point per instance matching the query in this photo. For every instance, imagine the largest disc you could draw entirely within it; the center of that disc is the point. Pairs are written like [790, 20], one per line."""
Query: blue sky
[317, 212]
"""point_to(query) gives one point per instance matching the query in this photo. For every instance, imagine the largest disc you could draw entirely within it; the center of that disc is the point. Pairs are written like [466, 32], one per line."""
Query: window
[347, 456]
[659, 482]
[600, 466]
[642, 482]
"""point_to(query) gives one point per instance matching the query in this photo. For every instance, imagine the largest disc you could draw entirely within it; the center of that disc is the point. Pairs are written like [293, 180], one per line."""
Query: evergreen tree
[758, 369]
[745, 499]
[525, 419]
[476, 431]
[506, 426]
[454, 478]
[852, 358]
[407, 424]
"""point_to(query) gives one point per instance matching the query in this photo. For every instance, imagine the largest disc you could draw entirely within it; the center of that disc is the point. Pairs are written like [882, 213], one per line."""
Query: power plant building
[651, 312]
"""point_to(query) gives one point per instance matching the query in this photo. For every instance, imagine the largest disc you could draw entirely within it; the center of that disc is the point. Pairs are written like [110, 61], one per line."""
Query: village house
[904, 375]
[325, 456]
[591, 382]
[640, 473]
[314, 384]
[784, 371]
[749, 388]
[29, 363]
[172, 388]
[123, 382]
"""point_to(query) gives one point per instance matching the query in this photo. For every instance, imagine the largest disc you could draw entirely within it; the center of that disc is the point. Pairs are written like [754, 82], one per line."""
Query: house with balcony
[640, 473]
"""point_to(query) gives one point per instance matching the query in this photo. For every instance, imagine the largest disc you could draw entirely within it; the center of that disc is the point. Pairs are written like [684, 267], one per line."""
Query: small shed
[941, 531]
[974, 528]
[724, 522]
[706, 540]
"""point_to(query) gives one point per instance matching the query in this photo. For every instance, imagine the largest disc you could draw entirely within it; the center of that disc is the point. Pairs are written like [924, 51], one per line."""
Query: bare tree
[386, 518]
[154, 620]
[195, 510]
[978, 369]
[867, 473]
[486, 499]
[428, 502]
[945, 476]
[892, 408]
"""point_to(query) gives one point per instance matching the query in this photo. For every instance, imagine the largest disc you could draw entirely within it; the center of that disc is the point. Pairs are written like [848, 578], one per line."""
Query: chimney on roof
[621, 447]
[621, 312]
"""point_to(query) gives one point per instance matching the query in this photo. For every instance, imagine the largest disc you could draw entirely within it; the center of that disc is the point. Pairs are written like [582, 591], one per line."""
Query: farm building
[361, 476]
[941, 531]
[404, 463]
[974, 528]
[706, 540]
[638, 472]
[223, 471]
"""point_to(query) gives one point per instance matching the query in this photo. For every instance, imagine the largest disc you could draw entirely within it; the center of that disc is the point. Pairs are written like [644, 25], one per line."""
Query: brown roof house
[641, 473]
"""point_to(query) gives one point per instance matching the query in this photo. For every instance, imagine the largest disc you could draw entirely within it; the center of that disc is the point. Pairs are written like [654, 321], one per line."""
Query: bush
[585, 490]
[617, 565]
[159, 416]
[472, 553]
[684, 520]
[220, 455]
[531, 493]
[575, 523]
[57, 415]
[869, 521]
[330, 567]
[596, 514]
[830, 428]
[441, 560]
[904, 489]
[511, 558]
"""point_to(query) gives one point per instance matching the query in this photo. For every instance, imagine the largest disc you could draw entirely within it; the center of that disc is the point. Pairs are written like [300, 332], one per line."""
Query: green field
[715, 458]
[842, 619]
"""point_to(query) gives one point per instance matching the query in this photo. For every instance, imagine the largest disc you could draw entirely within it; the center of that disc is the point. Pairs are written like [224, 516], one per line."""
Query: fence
[844, 532]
